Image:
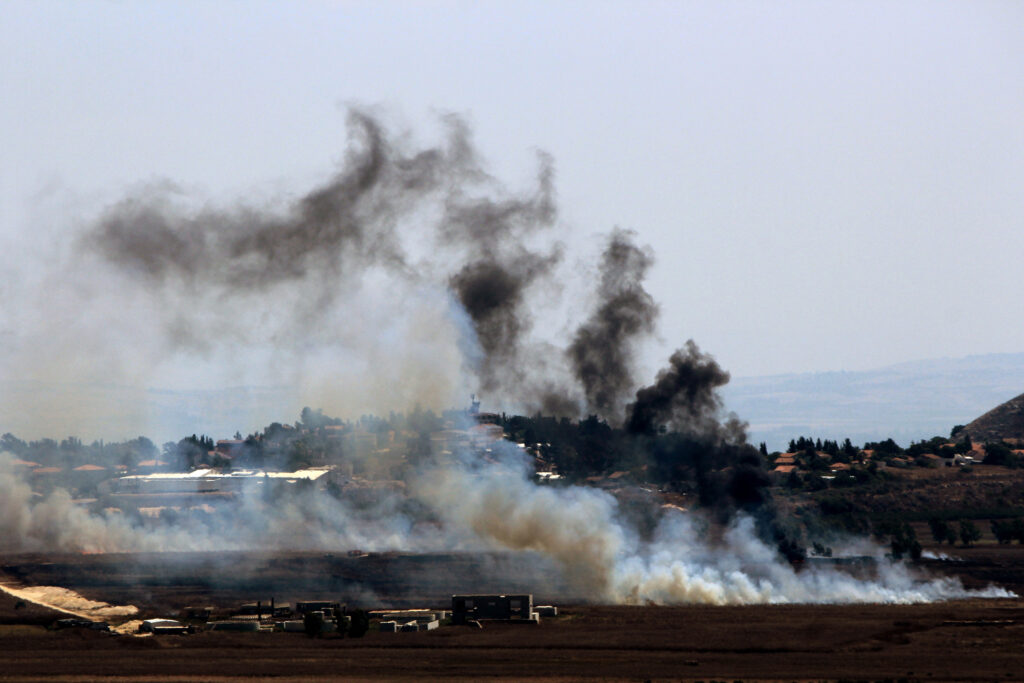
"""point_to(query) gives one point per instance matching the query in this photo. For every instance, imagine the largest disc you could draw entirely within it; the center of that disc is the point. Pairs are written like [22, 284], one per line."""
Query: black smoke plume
[499, 269]
[728, 472]
[347, 223]
[493, 294]
[683, 398]
[602, 349]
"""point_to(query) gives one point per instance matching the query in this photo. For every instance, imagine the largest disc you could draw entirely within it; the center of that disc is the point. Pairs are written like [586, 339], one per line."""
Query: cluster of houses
[786, 464]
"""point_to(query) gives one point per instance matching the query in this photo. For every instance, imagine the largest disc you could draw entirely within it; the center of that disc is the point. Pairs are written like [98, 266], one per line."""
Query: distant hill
[1005, 421]
[908, 401]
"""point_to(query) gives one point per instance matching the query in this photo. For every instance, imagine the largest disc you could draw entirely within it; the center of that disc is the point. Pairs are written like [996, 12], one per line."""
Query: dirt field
[958, 641]
[952, 641]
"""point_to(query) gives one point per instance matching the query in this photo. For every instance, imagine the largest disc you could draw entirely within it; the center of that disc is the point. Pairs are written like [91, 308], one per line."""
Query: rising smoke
[409, 277]
[602, 350]
[684, 397]
[316, 253]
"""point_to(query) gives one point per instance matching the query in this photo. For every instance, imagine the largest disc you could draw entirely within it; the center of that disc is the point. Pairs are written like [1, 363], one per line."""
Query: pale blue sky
[826, 185]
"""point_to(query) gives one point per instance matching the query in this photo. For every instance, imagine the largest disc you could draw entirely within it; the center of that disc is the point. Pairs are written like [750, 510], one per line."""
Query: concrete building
[211, 480]
[493, 607]
[304, 606]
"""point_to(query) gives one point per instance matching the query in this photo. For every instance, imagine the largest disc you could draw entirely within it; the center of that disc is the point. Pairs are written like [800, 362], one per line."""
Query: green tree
[940, 530]
[999, 453]
[904, 542]
[1017, 527]
[1003, 530]
[11, 443]
[969, 533]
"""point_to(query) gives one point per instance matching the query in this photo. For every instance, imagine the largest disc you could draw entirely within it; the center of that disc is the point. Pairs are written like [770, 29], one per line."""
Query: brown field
[957, 641]
[951, 641]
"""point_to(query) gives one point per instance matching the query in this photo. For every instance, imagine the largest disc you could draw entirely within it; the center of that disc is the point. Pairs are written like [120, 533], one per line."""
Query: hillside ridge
[1004, 422]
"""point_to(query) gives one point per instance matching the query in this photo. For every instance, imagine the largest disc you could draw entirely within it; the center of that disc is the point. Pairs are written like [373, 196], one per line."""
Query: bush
[941, 532]
[969, 533]
[904, 542]
[999, 454]
[1008, 530]
[1002, 529]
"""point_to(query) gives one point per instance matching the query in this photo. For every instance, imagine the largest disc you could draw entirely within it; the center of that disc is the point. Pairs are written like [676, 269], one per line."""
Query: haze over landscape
[840, 200]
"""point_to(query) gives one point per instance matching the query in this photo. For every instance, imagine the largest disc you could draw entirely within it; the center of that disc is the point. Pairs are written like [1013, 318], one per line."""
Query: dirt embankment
[68, 602]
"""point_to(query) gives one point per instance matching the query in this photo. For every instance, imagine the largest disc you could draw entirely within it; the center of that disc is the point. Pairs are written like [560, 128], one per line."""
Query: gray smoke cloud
[493, 293]
[602, 349]
[409, 273]
[311, 252]
[346, 224]
[320, 251]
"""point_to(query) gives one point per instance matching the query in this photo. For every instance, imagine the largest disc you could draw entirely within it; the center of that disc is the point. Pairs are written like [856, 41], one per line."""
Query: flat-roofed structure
[492, 607]
[211, 480]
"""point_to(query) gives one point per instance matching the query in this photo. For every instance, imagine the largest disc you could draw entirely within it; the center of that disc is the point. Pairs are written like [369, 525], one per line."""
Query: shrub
[969, 533]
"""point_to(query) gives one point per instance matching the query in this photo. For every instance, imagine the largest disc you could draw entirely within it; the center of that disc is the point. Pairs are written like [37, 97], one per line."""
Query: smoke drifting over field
[477, 506]
[409, 277]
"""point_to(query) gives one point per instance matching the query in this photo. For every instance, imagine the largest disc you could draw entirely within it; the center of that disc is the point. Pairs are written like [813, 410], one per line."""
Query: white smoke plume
[468, 504]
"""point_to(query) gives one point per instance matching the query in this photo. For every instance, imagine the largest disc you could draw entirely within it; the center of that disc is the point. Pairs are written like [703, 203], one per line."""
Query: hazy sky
[826, 185]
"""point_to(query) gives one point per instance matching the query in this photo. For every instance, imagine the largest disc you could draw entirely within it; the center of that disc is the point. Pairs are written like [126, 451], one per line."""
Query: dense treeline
[717, 472]
[72, 452]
